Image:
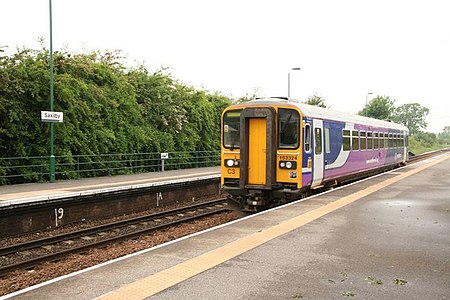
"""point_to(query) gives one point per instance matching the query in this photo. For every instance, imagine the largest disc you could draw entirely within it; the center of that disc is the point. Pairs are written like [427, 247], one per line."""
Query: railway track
[30, 254]
[419, 157]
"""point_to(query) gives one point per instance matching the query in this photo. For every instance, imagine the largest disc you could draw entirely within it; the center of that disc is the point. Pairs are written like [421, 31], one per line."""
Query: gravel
[21, 279]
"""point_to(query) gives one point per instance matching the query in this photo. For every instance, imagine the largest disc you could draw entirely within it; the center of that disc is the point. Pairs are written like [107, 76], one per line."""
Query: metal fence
[36, 168]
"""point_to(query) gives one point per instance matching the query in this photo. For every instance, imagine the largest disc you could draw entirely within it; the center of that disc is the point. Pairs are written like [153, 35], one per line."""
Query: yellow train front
[261, 153]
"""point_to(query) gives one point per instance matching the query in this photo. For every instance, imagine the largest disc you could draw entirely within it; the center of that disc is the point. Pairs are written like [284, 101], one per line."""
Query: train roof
[325, 113]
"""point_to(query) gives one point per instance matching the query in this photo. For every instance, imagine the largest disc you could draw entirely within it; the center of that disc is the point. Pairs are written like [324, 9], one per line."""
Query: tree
[412, 115]
[380, 107]
[444, 136]
[316, 100]
[107, 108]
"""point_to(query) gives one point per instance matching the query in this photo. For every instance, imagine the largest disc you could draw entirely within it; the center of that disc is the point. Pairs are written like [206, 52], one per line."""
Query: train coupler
[255, 198]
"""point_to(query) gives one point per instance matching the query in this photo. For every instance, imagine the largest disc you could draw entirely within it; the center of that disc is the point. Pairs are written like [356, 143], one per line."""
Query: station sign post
[52, 116]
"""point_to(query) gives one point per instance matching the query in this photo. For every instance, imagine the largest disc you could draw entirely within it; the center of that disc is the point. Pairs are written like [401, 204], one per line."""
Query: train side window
[327, 140]
[375, 140]
[369, 141]
[231, 129]
[381, 140]
[318, 141]
[391, 145]
[346, 140]
[362, 140]
[396, 144]
[355, 140]
[289, 128]
[307, 136]
[386, 140]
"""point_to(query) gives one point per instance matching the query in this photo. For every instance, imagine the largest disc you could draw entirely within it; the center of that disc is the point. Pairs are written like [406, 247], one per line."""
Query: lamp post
[52, 146]
[289, 79]
[368, 95]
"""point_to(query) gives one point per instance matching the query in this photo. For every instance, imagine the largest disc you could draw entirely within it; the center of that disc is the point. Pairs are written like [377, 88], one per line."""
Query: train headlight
[231, 163]
[292, 165]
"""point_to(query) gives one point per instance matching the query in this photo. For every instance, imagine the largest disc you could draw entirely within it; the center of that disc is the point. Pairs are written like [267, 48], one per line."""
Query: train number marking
[231, 171]
[288, 157]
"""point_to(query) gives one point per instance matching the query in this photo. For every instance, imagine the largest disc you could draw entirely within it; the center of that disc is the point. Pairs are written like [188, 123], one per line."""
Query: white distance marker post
[164, 156]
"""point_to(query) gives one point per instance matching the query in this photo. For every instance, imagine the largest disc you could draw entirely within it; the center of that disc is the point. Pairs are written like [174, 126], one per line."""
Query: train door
[257, 151]
[318, 157]
[405, 146]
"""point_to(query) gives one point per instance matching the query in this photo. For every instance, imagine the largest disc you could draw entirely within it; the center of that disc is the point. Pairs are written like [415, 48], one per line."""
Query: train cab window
[346, 140]
[307, 137]
[375, 140]
[369, 141]
[355, 140]
[289, 128]
[362, 140]
[327, 140]
[231, 129]
[406, 140]
[318, 141]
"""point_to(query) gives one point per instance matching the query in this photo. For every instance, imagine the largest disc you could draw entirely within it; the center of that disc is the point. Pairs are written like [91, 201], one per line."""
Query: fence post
[41, 176]
[107, 165]
[196, 159]
[78, 167]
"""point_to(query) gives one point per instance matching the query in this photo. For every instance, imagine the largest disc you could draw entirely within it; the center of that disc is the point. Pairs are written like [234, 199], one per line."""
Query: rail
[15, 170]
[413, 157]
[110, 233]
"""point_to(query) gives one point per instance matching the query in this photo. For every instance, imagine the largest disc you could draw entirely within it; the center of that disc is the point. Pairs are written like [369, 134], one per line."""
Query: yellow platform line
[167, 278]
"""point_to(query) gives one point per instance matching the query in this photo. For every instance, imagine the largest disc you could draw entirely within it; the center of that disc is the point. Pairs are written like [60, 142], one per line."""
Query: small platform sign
[52, 116]
[164, 155]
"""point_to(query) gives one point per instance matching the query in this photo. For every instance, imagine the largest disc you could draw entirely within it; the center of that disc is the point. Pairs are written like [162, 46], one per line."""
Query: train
[275, 150]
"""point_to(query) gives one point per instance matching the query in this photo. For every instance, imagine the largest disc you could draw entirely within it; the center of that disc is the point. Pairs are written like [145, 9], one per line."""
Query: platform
[32, 192]
[382, 238]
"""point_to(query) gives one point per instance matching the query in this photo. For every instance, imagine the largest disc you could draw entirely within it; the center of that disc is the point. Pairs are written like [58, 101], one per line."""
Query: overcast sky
[345, 48]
